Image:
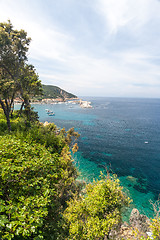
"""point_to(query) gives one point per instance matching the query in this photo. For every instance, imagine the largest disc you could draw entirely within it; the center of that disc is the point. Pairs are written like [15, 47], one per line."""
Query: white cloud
[129, 75]
[49, 43]
[129, 14]
[117, 70]
[47, 40]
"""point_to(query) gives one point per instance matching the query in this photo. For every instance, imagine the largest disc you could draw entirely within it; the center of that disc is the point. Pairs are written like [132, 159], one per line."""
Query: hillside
[50, 91]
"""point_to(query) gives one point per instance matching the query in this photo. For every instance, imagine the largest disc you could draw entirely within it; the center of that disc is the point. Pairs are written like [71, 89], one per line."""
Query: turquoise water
[122, 135]
[64, 112]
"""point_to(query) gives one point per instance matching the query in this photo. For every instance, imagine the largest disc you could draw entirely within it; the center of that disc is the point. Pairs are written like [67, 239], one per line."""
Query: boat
[51, 114]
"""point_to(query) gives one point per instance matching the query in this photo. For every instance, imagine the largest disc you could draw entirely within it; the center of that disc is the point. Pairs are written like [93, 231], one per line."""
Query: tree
[93, 216]
[6, 94]
[29, 86]
[15, 75]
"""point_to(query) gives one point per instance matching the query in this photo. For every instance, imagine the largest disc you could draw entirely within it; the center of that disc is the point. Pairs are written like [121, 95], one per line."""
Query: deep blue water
[118, 133]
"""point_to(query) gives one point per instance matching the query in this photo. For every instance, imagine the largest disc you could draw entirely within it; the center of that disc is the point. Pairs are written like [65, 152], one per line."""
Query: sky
[108, 48]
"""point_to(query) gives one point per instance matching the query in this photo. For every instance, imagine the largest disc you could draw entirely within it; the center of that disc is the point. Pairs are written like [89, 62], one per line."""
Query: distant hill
[50, 91]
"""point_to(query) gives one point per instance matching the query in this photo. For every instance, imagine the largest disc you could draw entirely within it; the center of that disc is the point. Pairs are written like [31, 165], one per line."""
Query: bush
[3, 123]
[3, 126]
[155, 222]
[33, 187]
[93, 216]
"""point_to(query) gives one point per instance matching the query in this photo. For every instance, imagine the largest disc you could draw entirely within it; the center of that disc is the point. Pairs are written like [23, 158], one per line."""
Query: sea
[119, 135]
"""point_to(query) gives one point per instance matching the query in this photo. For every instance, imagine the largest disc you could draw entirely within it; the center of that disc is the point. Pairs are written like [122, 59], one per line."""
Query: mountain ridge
[50, 91]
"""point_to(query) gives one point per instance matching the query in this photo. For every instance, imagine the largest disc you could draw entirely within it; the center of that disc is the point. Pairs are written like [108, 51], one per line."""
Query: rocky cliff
[138, 227]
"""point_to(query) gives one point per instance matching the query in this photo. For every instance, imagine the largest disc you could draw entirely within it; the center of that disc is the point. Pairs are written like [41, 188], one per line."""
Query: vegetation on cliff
[39, 194]
[36, 177]
[50, 91]
[94, 216]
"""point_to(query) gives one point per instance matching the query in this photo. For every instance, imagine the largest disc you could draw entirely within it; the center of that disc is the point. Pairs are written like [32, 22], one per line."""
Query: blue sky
[92, 47]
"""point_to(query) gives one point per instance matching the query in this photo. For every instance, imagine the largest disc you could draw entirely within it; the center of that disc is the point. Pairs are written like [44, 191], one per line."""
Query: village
[82, 103]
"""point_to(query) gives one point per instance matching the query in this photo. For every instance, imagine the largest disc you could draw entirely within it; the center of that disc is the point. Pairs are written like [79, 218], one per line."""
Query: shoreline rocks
[138, 227]
[85, 104]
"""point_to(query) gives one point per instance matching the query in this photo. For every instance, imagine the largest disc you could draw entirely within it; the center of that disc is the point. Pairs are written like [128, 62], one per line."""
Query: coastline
[82, 103]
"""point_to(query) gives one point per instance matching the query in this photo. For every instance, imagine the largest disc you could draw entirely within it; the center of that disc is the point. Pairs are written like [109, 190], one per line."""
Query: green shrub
[93, 216]
[33, 187]
[3, 126]
[155, 226]
[155, 222]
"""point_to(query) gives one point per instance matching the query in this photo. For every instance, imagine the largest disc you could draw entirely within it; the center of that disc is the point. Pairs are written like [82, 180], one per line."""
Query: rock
[134, 217]
[132, 179]
[120, 232]
[138, 227]
[45, 123]
[140, 223]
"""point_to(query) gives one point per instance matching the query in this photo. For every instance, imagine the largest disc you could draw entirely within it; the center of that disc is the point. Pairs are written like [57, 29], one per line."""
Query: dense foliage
[93, 216]
[37, 176]
[28, 176]
[155, 222]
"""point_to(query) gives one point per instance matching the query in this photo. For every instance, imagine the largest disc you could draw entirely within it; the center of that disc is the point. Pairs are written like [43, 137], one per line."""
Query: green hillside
[50, 91]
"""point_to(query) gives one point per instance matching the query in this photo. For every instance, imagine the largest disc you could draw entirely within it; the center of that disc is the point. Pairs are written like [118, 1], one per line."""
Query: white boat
[51, 114]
